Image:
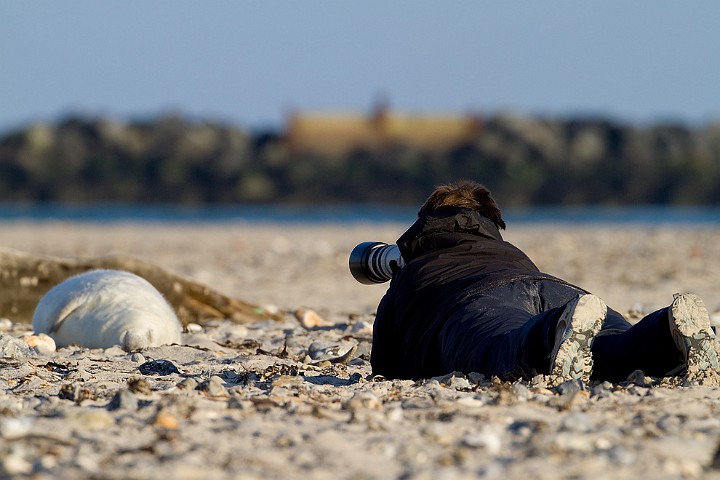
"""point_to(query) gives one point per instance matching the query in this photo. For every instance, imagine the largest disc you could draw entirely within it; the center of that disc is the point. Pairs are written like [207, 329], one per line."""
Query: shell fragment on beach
[42, 343]
[310, 318]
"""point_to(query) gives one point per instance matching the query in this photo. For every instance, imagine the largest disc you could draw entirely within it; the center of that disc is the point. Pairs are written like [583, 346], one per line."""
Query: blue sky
[251, 63]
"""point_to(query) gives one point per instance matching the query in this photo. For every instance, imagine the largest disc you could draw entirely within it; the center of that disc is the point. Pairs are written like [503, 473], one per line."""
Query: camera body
[375, 262]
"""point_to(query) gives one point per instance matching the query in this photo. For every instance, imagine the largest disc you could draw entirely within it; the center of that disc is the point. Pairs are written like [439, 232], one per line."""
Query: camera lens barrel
[375, 262]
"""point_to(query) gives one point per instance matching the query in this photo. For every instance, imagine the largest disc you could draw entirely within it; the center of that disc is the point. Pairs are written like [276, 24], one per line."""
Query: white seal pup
[103, 308]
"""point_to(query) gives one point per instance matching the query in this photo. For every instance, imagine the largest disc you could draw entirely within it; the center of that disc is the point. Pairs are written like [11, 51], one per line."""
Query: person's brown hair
[464, 194]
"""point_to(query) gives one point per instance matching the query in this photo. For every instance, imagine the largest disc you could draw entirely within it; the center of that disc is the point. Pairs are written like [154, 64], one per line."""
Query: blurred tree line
[523, 160]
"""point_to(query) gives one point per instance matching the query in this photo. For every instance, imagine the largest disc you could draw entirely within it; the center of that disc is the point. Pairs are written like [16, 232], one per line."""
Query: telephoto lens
[375, 262]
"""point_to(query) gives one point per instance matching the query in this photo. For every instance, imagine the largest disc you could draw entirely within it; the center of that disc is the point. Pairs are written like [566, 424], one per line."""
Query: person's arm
[386, 344]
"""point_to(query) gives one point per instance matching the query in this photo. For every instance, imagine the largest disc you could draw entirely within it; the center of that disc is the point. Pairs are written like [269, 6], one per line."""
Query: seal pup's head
[103, 308]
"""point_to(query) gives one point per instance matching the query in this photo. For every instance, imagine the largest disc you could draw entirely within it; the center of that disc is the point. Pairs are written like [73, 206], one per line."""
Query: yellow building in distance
[337, 133]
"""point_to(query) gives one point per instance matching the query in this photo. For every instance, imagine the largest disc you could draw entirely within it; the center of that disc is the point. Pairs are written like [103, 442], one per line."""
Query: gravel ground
[295, 399]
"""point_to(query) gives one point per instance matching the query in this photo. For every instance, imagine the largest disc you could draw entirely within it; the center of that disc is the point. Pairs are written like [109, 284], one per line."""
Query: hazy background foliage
[524, 160]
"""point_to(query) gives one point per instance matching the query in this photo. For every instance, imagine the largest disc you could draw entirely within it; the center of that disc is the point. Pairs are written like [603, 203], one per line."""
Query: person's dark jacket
[452, 256]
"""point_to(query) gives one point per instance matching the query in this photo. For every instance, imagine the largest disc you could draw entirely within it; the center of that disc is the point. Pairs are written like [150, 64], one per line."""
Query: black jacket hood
[445, 227]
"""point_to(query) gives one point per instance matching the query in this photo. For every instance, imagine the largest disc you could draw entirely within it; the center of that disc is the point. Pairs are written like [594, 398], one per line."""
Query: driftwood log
[25, 278]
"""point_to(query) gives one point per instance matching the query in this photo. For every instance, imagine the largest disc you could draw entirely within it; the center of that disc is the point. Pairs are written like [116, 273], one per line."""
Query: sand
[283, 400]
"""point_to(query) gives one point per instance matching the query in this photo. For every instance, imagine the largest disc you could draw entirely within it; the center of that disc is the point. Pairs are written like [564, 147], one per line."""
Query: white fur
[103, 308]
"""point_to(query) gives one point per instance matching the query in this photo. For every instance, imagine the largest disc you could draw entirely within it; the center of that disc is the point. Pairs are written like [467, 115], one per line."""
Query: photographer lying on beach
[467, 301]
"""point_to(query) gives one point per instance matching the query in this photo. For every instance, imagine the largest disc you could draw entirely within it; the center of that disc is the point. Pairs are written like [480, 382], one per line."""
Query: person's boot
[571, 357]
[690, 329]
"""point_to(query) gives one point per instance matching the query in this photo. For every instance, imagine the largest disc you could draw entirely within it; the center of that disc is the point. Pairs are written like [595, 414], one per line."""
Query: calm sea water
[109, 213]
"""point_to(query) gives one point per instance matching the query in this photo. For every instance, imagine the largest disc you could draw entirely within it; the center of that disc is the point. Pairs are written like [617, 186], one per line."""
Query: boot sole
[572, 356]
[691, 323]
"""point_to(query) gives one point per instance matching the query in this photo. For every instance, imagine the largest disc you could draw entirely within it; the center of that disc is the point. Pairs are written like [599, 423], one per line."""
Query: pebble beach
[295, 398]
